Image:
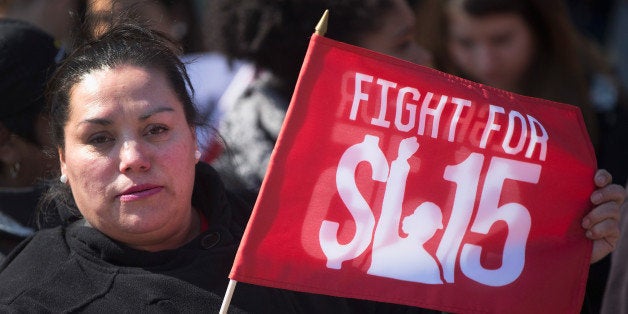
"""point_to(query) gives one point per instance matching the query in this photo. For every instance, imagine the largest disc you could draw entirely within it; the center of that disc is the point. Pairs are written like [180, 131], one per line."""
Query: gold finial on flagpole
[321, 27]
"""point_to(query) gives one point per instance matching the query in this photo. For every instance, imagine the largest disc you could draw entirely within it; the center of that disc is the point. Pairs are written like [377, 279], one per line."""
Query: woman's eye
[156, 129]
[99, 139]
[466, 43]
[404, 46]
[502, 39]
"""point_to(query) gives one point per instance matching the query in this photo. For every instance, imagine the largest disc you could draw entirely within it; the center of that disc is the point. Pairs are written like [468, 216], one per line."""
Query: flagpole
[320, 29]
[227, 300]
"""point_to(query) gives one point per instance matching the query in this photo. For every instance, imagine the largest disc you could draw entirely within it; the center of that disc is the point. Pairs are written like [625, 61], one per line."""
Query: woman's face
[396, 36]
[129, 156]
[495, 49]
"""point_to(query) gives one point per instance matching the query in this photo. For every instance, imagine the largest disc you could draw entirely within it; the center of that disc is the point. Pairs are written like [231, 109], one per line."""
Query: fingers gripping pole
[227, 300]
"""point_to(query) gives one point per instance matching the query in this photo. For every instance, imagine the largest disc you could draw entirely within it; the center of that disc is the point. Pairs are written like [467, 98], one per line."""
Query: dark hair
[189, 33]
[123, 44]
[187, 11]
[27, 59]
[274, 34]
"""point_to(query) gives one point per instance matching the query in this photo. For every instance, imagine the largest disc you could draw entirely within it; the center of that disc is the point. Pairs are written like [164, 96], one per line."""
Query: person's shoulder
[30, 261]
[43, 246]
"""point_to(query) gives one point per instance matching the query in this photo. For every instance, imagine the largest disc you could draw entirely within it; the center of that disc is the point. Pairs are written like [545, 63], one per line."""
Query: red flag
[397, 183]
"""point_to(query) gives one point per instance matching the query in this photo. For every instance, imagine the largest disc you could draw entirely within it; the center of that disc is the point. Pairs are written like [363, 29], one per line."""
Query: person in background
[27, 59]
[530, 47]
[179, 19]
[273, 36]
[58, 18]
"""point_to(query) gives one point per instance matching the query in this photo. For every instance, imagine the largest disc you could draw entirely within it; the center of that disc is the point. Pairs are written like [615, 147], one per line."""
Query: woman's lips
[139, 192]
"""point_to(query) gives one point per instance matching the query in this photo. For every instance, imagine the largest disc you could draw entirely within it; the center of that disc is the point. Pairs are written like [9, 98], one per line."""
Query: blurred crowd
[243, 59]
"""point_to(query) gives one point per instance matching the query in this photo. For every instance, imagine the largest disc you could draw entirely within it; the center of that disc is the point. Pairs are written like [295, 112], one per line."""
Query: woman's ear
[61, 160]
[193, 130]
[197, 151]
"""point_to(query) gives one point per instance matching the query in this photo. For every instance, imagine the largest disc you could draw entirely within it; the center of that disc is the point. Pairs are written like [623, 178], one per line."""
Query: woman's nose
[420, 55]
[485, 60]
[133, 157]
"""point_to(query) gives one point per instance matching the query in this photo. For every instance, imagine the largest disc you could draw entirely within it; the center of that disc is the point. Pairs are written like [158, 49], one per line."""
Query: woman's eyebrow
[404, 31]
[99, 121]
[105, 122]
[155, 111]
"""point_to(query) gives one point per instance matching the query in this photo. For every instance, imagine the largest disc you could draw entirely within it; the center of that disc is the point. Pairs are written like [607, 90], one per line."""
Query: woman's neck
[174, 241]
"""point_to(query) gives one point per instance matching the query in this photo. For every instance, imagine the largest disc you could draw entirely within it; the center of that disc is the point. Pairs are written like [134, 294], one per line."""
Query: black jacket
[17, 216]
[79, 269]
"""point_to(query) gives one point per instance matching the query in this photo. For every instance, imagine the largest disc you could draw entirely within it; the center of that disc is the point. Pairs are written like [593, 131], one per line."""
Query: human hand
[602, 222]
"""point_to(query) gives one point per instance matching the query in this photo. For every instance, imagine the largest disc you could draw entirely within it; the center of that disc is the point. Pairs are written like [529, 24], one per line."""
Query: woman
[258, 32]
[146, 228]
[27, 59]
[150, 229]
[530, 47]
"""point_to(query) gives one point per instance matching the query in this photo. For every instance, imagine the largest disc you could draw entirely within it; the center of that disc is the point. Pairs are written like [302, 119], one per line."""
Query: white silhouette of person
[407, 258]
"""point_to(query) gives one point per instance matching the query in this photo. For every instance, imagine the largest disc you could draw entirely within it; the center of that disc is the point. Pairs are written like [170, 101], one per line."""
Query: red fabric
[204, 222]
[385, 207]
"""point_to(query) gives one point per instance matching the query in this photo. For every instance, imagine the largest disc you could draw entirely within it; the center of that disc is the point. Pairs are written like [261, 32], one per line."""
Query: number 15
[466, 176]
